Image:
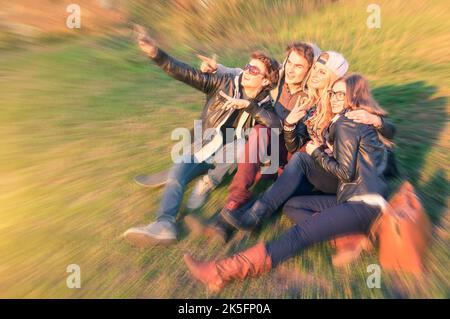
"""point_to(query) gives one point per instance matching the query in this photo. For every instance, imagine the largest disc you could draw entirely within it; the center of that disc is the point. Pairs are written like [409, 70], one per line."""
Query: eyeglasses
[340, 96]
[253, 70]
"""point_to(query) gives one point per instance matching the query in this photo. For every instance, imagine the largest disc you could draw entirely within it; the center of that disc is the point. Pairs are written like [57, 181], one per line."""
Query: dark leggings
[332, 220]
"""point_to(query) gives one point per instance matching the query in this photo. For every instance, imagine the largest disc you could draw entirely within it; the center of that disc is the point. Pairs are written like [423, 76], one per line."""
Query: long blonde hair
[321, 99]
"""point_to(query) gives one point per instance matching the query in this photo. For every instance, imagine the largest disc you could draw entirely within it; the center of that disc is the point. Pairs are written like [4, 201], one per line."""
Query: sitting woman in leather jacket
[356, 155]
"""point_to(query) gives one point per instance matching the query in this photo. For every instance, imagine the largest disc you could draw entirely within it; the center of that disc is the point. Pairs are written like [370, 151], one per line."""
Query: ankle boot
[216, 274]
[247, 219]
[217, 229]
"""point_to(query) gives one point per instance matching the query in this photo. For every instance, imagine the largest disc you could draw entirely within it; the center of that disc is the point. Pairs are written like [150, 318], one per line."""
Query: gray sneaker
[156, 233]
[200, 193]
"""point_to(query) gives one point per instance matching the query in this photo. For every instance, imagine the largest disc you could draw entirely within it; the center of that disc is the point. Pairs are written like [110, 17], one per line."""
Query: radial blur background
[83, 111]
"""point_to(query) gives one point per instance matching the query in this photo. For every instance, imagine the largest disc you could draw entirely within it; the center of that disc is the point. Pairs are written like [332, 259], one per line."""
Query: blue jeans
[182, 173]
[301, 176]
[179, 176]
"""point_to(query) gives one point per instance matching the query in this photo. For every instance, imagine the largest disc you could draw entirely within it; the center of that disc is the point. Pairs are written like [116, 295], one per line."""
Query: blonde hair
[323, 115]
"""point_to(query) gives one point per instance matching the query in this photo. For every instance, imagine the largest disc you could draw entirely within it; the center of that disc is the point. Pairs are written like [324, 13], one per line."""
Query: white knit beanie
[335, 62]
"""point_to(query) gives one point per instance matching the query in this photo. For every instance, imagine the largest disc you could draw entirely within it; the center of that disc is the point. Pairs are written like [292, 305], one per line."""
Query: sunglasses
[340, 96]
[253, 70]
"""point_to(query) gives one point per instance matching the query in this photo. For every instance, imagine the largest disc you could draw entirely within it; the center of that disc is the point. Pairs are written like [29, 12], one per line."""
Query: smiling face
[296, 68]
[320, 76]
[254, 75]
[337, 98]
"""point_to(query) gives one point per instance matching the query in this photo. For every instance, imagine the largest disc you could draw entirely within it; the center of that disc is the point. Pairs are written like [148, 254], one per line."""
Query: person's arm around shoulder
[381, 123]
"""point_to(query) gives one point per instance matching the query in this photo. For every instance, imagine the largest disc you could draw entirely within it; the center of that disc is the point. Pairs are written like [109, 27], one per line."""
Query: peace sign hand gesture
[232, 103]
[298, 112]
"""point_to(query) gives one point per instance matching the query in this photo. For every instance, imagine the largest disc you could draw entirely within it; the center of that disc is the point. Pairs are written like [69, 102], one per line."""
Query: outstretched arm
[204, 82]
[295, 132]
[210, 65]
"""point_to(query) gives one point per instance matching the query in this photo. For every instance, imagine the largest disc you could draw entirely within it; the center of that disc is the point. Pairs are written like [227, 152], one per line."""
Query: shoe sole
[152, 180]
[143, 241]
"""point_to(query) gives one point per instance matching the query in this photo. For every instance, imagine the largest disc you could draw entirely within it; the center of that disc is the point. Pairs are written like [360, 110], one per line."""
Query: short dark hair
[303, 49]
[272, 67]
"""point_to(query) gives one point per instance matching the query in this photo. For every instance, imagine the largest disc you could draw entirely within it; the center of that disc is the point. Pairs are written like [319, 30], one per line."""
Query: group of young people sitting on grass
[329, 141]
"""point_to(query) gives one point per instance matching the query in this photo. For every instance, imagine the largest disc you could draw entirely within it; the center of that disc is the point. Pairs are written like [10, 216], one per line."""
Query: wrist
[288, 126]
[153, 53]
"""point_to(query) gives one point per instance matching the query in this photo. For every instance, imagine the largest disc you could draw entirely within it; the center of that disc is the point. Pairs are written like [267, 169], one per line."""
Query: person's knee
[290, 213]
[177, 174]
[303, 160]
[174, 182]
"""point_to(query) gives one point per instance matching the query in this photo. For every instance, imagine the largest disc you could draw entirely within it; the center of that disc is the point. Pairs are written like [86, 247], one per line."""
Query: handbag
[404, 231]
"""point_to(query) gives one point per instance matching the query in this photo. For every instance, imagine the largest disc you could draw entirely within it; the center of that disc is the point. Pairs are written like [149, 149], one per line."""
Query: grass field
[81, 117]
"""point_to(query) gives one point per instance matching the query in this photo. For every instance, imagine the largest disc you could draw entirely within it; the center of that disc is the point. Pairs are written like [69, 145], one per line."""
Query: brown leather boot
[216, 274]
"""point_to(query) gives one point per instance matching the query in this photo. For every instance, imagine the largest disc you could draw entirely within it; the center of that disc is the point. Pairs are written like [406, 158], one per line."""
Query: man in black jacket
[233, 102]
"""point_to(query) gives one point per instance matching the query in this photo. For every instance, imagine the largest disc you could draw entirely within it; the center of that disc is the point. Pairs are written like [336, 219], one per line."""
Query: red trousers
[248, 167]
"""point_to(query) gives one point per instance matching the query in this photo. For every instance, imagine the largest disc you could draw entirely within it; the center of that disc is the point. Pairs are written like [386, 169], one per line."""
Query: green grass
[79, 119]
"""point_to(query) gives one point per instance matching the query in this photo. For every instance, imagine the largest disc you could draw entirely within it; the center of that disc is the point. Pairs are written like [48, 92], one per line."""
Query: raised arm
[204, 82]
[210, 65]
[295, 136]
[294, 128]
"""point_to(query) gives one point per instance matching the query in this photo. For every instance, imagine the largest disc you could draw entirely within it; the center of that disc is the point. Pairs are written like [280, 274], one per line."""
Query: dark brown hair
[303, 49]
[359, 96]
[272, 67]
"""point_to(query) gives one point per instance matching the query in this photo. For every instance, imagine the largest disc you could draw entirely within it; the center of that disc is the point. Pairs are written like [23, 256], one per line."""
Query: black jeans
[301, 176]
[332, 220]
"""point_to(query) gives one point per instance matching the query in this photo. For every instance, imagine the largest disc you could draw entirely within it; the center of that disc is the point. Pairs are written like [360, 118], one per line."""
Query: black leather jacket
[211, 85]
[359, 159]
